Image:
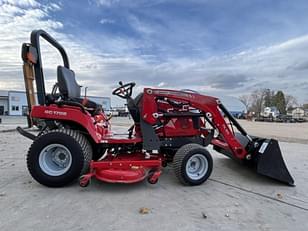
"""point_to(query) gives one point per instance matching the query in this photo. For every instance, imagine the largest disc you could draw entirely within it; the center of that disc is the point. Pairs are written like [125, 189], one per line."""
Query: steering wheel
[125, 90]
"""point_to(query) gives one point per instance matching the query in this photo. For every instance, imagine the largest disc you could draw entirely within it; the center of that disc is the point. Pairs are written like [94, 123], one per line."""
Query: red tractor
[169, 127]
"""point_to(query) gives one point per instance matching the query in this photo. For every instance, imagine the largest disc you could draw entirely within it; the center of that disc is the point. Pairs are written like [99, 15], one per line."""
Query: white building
[4, 102]
[298, 113]
[15, 102]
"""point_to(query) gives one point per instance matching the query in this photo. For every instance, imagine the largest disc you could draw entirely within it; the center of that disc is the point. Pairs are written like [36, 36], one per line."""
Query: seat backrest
[68, 86]
[133, 106]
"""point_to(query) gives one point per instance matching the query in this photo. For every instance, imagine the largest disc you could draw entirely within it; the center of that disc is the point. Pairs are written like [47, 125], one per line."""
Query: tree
[268, 97]
[245, 99]
[291, 102]
[265, 97]
[280, 102]
[305, 105]
[257, 100]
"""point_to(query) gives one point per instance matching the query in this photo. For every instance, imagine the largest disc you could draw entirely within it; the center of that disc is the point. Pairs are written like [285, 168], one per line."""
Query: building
[298, 113]
[4, 102]
[15, 102]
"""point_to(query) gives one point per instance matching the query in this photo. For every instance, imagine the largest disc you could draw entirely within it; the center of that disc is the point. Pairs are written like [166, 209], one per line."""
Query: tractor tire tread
[178, 161]
[79, 138]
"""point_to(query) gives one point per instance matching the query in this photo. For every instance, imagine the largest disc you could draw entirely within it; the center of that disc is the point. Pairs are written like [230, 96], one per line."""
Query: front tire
[192, 164]
[58, 157]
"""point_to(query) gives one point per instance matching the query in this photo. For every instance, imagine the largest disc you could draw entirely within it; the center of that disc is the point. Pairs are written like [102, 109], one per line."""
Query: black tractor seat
[133, 106]
[70, 91]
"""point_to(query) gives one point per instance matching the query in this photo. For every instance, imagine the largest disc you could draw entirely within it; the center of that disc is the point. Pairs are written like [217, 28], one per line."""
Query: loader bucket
[269, 162]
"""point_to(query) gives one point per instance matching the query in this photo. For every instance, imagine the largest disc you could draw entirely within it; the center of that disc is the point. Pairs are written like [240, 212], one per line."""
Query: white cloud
[106, 2]
[22, 3]
[106, 21]
[140, 26]
[55, 6]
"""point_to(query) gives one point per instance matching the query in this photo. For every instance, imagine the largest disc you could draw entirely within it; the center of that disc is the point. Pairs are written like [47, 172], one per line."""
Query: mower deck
[129, 168]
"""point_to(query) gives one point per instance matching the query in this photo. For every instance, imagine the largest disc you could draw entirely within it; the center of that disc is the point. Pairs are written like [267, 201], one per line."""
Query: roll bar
[38, 67]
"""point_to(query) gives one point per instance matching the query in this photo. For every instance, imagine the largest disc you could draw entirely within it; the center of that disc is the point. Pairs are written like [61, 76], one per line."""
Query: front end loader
[170, 127]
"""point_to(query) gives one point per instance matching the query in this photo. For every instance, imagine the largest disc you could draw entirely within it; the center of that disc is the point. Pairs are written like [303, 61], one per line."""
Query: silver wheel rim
[55, 159]
[197, 166]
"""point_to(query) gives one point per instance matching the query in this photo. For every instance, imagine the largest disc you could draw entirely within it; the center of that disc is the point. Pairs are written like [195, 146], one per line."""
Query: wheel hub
[60, 157]
[55, 159]
[197, 166]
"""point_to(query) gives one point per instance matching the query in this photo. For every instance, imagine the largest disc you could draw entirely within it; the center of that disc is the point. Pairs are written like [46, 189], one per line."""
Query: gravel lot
[234, 198]
[289, 132]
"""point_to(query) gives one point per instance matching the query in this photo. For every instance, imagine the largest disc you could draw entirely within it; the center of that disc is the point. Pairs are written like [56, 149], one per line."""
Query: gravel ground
[234, 198]
[289, 132]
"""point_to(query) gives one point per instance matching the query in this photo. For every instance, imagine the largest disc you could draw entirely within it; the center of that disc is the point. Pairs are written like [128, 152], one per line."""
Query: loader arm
[211, 108]
[262, 154]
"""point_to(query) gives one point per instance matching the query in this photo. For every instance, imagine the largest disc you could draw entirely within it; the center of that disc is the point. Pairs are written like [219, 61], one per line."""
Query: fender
[54, 112]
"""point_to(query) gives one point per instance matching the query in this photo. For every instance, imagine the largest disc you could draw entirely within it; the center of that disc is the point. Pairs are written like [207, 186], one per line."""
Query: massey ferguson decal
[58, 113]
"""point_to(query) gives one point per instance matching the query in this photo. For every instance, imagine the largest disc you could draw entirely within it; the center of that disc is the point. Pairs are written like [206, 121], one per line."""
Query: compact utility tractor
[170, 126]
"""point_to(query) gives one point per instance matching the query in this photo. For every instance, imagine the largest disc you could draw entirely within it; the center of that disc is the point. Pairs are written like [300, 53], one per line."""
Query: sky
[217, 47]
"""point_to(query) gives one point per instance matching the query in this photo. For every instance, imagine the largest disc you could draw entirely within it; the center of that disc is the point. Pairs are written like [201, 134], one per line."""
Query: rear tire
[58, 157]
[192, 164]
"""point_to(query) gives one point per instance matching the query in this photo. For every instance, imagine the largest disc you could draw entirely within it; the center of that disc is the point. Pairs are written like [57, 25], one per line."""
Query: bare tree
[291, 101]
[257, 100]
[246, 100]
